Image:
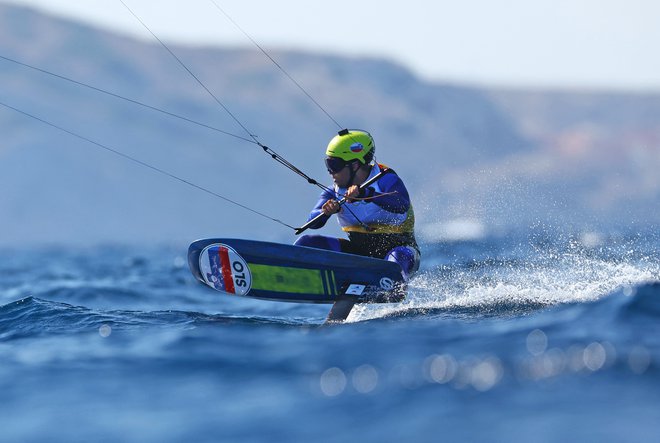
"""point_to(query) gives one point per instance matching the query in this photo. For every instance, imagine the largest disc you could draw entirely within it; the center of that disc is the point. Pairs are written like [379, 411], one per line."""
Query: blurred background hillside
[478, 161]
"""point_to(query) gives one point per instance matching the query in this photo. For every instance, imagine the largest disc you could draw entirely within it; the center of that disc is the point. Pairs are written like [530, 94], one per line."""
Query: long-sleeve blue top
[393, 198]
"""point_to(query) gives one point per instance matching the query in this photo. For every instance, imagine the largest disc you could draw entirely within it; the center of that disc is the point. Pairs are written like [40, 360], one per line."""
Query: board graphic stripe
[326, 284]
[226, 270]
[326, 280]
[331, 282]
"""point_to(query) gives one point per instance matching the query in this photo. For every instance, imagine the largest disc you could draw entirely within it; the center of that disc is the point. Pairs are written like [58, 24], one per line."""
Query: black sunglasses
[335, 164]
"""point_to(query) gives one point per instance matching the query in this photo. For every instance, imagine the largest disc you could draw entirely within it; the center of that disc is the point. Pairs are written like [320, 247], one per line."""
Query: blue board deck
[279, 272]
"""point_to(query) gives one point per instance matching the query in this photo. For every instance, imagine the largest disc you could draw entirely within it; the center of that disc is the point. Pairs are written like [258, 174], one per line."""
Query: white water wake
[547, 280]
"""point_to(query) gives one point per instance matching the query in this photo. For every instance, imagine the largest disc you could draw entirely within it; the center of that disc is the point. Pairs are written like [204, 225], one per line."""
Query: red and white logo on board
[225, 270]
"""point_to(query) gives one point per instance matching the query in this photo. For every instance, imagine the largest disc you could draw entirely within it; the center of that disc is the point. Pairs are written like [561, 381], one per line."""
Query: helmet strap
[353, 174]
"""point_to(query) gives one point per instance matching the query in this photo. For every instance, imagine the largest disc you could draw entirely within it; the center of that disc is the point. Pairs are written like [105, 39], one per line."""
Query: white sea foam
[545, 280]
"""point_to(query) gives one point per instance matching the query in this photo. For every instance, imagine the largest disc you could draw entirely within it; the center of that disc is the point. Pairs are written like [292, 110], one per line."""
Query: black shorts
[375, 245]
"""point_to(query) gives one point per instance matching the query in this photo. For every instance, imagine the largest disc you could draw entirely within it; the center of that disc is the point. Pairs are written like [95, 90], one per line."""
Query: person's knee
[406, 257]
[319, 242]
[305, 240]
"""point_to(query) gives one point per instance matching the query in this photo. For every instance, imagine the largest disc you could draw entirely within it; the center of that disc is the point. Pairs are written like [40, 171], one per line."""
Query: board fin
[340, 310]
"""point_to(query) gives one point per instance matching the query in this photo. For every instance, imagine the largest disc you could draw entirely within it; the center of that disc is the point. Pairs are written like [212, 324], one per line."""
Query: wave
[641, 300]
[33, 316]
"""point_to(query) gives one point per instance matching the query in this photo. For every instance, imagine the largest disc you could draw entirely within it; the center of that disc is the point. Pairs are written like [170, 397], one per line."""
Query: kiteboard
[299, 274]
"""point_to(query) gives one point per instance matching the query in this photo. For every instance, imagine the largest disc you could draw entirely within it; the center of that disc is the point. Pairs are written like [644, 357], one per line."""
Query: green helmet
[350, 145]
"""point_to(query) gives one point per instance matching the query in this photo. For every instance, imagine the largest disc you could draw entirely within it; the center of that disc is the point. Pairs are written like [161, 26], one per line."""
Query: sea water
[522, 338]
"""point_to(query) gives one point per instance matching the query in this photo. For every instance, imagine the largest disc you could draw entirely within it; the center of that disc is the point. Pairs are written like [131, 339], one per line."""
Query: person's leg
[406, 257]
[319, 242]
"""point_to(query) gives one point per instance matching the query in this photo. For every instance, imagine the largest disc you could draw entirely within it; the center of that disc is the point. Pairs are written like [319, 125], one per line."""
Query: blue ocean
[529, 337]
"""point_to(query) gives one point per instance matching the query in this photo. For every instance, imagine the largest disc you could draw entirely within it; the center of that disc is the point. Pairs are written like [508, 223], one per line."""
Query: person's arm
[394, 196]
[325, 196]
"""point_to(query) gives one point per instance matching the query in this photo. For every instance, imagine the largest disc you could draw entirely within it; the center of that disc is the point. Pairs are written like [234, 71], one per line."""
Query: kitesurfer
[378, 219]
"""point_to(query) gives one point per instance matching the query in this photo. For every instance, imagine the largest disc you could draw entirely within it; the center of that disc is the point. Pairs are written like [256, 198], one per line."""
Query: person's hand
[330, 207]
[352, 193]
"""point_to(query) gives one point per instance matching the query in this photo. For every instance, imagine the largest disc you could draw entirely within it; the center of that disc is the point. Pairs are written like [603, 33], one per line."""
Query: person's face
[340, 170]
